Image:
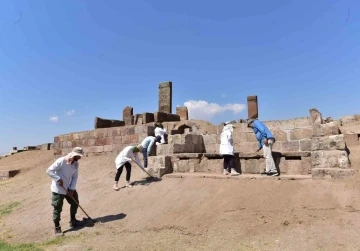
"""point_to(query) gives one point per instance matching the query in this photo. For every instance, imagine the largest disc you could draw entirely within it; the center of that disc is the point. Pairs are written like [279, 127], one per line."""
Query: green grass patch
[20, 247]
[7, 209]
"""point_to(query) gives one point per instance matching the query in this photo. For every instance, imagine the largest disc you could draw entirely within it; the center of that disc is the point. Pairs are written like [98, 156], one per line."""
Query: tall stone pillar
[128, 115]
[252, 103]
[165, 97]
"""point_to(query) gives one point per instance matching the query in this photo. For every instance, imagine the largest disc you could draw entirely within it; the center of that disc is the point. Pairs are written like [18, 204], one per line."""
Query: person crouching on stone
[124, 158]
[64, 174]
[160, 131]
[227, 149]
[266, 141]
[147, 146]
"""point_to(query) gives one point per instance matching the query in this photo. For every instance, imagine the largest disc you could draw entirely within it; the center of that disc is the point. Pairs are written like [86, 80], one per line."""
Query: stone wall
[107, 123]
[103, 140]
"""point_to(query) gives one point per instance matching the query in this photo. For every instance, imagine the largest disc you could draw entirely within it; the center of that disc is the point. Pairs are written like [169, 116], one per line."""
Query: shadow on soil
[145, 182]
[88, 223]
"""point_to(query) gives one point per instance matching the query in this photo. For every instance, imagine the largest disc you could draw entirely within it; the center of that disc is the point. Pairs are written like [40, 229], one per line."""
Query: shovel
[154, 178]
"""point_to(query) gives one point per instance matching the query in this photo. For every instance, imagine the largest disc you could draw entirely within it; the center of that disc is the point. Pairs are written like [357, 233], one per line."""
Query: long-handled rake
[152, 177]
[89, 218]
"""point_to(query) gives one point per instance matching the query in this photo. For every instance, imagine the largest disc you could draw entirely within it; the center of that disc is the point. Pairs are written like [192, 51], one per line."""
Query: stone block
[183, 113]
[280, 135]
[277, 146]
[93, 149]
[330, 159]
[214, 148]
[250, 137]
[128, 115]
[331, 128]
[252, 166]
[165, 97]
[159, 165]
[334, 142]
[100, 133]
[305, 144]
[106, 123]
[349, 119]
[108, 148]
[291, 146]
[210, 165]
[148, 117]
[210, 139]
[166, 117]
[56, 139]
[304, 133]
[176, 139]
[306, 165]
[295, 167]
[186, 165]
[333, 173]
[165, 149]
[304, 122]
[138, 119]
[246, 146]
[252, 103]
[351, 139]
[315, 116]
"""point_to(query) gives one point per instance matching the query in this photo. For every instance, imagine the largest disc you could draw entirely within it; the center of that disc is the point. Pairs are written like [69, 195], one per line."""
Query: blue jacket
[262, 132]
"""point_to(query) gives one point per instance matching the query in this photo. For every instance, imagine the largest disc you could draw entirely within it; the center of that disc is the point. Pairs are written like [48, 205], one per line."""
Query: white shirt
[127, 155]
[226, 144]
[68, 173]
[160, 132]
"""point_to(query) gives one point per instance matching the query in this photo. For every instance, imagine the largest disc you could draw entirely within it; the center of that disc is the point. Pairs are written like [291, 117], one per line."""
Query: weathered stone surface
[279, 135]
[306, 165]
[159, 166]
[148, 117]
[295, 167]
[186, 165]
[6, 174]
[350, 119]
[334, 142]
[280, 124]
[138, 119]
[252, 166]
[331, 128]
[246, 146]
[304, 133]
[315, 116]
[351, 139]
[291, 146]
[165, 149]
[304, 122]
[210, 165]
[210, 139]
[330, 159]
[128, 115]
[334, 173]
[305, 144]
[188, 155]
[252, 103]
[106, 123]
[165, 97]
[214, 148]
[182, 112]
[165, 117]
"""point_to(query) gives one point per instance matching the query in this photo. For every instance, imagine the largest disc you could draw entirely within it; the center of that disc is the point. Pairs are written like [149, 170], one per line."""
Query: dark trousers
[229, 161]
[57, 201]
[145, 156]
[128, 172]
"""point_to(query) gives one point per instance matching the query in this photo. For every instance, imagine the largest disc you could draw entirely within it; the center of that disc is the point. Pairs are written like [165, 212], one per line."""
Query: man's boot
[58, 231]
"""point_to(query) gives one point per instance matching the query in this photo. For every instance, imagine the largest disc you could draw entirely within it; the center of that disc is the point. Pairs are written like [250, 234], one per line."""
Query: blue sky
[93, 58]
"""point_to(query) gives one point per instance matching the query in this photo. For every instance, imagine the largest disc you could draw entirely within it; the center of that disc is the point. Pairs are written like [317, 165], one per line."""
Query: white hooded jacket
[226, 141]
[126, 155]
[160, 132]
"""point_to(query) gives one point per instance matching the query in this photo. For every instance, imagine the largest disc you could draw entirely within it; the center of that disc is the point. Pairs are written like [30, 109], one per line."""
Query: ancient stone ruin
[309, 146]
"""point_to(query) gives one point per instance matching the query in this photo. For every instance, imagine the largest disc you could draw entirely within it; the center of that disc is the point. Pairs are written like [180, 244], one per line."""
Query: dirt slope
[185, 214]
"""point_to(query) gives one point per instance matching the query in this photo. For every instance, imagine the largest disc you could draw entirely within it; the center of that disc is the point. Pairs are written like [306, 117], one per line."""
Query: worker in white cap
[64, 174]
[128, 154]
[227, 149]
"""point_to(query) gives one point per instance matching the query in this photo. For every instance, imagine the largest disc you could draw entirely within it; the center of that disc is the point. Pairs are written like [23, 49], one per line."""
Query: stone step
[159, 166]
[333, 173]
[6, 174]
[241, 177]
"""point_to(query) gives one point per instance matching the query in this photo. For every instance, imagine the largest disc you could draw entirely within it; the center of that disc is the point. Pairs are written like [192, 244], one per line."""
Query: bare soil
[182, 214]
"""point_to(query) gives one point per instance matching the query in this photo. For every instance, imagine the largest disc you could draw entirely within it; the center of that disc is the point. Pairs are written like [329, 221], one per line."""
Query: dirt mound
[26, 160]
[184, 214]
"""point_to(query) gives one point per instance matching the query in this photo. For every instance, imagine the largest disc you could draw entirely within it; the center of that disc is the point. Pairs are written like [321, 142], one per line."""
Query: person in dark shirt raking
[64, 174]
[266, 141]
